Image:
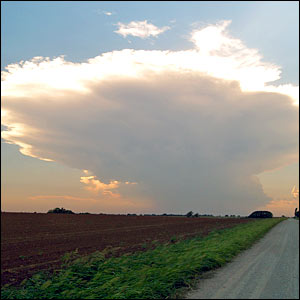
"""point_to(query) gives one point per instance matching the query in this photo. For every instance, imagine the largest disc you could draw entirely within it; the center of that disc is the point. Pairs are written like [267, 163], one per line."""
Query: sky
[150, 107]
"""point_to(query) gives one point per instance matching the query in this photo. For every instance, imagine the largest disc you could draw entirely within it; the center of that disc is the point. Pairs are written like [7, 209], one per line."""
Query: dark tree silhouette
[189, 214]
[59, 211]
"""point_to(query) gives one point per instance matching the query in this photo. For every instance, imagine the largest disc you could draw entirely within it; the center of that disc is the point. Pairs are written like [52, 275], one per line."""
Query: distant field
[32, 242]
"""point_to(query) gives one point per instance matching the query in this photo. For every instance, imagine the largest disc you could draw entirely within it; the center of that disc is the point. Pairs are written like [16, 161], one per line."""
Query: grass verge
[154, 274]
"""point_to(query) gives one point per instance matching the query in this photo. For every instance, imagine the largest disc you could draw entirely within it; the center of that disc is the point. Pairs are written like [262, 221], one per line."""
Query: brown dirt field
[34, 241]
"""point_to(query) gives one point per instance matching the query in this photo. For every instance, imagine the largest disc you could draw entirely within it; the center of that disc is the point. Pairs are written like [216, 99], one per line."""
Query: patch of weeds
[145, 245]
[174, 239]
[155, 242]
[68, 257]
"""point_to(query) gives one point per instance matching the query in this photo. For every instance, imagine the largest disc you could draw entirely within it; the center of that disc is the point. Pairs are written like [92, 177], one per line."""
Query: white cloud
[227, 57]
[108, 13]
[101, 12]
[96, 185]
[141, 29]
[187, 126]
[215, 54]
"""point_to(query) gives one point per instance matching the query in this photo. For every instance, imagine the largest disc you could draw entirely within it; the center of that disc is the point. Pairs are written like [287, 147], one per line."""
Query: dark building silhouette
[261, 214]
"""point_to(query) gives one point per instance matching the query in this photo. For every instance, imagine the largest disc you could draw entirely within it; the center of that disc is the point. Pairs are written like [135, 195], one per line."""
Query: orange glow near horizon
[281, 207]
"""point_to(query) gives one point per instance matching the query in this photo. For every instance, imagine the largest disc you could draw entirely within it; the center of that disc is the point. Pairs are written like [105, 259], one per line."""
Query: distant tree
[59, 211]
[189, 214]
[196, 215]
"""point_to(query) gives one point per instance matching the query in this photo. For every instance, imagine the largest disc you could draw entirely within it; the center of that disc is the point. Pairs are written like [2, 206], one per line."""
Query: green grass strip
[152, 274]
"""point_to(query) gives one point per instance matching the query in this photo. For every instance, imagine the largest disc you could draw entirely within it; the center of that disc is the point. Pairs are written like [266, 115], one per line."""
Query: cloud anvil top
[215, 53]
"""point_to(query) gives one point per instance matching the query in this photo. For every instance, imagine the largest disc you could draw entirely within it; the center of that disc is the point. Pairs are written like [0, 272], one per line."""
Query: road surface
[268, 270]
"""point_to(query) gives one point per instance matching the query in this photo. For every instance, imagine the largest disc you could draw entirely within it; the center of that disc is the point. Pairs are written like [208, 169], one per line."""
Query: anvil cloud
[191, 128]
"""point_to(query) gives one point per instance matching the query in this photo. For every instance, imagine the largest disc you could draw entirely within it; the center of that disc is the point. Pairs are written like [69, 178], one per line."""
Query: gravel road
[268, 270]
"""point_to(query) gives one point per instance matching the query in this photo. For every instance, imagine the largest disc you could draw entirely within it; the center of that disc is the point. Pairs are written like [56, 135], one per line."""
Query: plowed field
[35, 241]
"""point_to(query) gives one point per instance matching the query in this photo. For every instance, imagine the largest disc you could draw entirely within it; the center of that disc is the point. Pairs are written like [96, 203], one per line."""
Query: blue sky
[85, 29]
